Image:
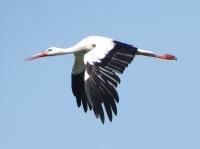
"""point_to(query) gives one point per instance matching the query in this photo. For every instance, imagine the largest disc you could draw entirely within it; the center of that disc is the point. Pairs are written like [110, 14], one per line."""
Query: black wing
[78, 89]
[103, 80]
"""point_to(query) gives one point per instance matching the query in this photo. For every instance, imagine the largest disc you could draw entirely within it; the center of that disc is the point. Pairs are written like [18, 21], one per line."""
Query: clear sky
[159, 104]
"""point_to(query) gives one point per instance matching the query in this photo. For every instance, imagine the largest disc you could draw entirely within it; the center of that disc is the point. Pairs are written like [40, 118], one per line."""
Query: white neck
[69, 50]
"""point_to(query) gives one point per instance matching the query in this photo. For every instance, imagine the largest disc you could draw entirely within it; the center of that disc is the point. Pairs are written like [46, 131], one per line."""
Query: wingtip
[102, 120]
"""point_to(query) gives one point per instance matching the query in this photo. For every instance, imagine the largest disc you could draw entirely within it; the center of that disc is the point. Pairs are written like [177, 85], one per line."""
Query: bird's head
[48, 52]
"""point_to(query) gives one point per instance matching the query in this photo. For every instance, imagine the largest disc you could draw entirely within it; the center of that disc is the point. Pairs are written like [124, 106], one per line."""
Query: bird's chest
[79, 65]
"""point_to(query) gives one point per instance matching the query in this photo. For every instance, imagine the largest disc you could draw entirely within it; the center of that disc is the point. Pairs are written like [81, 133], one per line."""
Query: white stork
[94, 74]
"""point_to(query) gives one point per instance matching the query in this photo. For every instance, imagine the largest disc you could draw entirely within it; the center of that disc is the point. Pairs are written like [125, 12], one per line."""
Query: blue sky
[159, 100]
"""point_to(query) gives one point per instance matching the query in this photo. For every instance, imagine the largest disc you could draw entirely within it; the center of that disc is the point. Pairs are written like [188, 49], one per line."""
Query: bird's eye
[93, 45]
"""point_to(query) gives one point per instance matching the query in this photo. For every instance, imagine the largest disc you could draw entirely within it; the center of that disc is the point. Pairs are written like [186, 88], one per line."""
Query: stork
[98, 61]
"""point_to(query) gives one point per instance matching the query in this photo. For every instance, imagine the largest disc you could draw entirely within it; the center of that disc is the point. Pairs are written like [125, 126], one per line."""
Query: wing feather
[78, 89]
[103, 79]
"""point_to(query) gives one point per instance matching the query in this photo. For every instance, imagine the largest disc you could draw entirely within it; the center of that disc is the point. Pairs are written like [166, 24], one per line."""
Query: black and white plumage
[98, 61]
[100, 79]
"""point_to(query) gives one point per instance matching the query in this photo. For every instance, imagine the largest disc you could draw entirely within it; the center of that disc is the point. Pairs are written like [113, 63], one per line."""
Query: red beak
[38, 55]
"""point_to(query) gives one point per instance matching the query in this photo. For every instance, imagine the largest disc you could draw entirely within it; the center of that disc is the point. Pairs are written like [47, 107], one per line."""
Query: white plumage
[102, 46]
[98, 60]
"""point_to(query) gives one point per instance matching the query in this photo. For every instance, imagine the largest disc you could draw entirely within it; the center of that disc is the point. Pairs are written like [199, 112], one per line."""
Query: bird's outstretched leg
[151, 54]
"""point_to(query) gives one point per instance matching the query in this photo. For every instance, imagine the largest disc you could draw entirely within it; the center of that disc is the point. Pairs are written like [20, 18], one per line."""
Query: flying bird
[98, 61]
